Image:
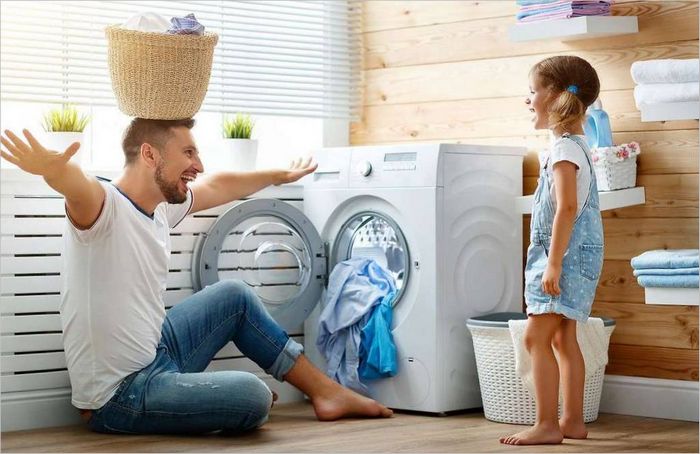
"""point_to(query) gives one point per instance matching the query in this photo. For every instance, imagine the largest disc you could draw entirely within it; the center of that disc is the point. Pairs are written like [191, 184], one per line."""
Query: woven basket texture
[159, 76]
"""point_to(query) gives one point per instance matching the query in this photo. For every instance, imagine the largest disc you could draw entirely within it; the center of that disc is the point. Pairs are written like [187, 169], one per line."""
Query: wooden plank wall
[446, 71]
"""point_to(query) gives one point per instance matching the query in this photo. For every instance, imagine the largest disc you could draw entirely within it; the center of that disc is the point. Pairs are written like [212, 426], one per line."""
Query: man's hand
[32, 157]
[298, 168]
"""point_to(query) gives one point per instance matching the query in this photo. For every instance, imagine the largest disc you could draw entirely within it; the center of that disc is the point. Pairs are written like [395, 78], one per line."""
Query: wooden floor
[293, 428]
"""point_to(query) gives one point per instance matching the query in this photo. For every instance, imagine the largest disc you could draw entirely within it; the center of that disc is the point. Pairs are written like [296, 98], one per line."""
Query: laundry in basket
[159, 75]
[503, 393]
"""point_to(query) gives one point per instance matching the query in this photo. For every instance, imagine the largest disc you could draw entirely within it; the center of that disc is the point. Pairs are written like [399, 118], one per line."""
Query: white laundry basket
[505, 397]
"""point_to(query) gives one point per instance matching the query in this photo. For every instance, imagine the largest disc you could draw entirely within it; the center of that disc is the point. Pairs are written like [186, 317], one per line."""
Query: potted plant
[242, 150]
[64, 126]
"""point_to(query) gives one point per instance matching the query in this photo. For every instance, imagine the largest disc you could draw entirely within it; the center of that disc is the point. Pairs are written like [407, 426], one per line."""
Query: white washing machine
[441, 217]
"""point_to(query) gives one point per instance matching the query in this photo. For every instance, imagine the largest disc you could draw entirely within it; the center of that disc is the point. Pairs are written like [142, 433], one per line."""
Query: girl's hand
[297, 169]
[550, 280]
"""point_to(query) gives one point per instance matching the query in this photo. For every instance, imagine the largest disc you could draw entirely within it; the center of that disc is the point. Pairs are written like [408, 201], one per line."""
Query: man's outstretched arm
[220, 188]
[84, 195]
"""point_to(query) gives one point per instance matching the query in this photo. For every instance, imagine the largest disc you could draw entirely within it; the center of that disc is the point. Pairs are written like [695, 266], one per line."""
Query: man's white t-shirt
[565, 149]
[112, 305]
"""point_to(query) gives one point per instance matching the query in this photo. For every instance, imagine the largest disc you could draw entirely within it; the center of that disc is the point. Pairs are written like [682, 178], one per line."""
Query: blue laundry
[355, 286]
[665, 271]
[662, 258]
[377, 349]
[187, 25]
[677, 281]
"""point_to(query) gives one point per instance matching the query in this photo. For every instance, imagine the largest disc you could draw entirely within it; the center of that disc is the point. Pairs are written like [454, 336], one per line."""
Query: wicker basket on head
[157, 75]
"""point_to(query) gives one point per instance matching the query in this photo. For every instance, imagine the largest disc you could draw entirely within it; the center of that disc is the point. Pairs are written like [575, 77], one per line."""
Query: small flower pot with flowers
[616, 167]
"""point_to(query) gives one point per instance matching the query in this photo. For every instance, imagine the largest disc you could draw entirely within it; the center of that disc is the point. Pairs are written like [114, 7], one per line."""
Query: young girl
[566, 248]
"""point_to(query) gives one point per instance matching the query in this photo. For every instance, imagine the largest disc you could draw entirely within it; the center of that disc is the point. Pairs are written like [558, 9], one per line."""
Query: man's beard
[170, 191]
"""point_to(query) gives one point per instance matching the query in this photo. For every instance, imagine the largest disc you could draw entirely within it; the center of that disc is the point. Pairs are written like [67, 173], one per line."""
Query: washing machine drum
[272, 247]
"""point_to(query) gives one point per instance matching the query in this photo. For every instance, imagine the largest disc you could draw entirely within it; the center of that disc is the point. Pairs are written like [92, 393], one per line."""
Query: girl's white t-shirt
[112, 304]
[565, 149]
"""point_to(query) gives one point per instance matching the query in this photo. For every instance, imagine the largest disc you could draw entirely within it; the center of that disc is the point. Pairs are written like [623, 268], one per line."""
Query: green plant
[238, 127]
[65, 119]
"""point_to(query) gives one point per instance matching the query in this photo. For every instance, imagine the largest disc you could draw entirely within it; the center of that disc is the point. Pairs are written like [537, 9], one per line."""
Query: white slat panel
[31, 284]
[193, 224]
[33, 205]
[183, 243]
[31, 245]
[30, 323]
[173, 297]
[33, 187]
[33, 361]
[181, 279]
[31, 343]
[42, 264]
[32, 226]
[181, 261]
[31, 382]
[29, 303]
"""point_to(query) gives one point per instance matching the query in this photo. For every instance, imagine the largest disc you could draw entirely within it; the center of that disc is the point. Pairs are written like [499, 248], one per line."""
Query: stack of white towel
[666, 81]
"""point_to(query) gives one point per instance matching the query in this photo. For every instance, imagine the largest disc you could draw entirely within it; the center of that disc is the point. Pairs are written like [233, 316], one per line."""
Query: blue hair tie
[572, 89]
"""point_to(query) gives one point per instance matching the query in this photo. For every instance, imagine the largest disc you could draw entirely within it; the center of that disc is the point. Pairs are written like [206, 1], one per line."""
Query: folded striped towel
[668, 71]
[665, 271]
[676, 281]
[667, 258]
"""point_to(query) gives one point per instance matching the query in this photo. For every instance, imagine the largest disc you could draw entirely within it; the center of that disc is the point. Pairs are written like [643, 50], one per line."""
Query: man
[133, 367]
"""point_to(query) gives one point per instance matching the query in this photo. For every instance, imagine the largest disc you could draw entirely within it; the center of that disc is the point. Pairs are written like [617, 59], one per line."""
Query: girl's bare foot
[539, 434]
[345, 403]
[573, 429]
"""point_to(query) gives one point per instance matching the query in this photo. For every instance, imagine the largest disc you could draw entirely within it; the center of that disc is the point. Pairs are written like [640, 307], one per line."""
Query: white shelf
[672, 296]
[671, 111]
[584, 27]
[609, 200]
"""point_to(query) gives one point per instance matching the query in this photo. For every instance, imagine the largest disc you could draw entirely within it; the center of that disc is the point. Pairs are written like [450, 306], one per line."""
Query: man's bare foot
[573, 429]
[342, 402]
[536, 435]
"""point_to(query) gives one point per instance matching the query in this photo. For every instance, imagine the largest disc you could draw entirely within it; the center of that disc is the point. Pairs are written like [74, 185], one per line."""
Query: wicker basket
[504, 396]
[158, 75]
[612, 171]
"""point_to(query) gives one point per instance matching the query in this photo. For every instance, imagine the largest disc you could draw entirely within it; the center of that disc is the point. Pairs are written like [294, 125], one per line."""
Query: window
[293, 65]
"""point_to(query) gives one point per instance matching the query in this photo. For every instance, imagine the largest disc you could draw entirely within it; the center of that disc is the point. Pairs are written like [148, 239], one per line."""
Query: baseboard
[36, 409]
[650, 397]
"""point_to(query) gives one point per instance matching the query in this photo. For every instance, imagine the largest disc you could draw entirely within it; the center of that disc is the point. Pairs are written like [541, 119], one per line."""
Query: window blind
[288, 58]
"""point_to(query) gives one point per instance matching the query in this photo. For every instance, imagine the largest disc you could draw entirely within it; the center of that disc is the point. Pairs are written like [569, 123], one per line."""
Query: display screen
[394, 157]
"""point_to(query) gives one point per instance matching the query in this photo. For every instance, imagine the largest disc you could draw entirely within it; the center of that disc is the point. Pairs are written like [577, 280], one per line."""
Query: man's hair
[574, 85]
[154, 132]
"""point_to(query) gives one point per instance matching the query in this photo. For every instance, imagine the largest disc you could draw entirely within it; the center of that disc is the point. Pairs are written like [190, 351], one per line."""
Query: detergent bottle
[597, 126]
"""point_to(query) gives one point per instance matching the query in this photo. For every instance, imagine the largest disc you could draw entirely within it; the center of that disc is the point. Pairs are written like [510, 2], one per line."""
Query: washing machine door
[373, 234]
[271, 246]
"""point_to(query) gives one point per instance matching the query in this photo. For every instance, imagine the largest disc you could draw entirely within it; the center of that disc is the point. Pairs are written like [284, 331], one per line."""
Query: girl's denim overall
[583, 258]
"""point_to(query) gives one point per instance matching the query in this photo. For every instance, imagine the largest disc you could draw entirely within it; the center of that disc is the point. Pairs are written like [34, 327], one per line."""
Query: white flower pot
[59, 141]
[240, 155]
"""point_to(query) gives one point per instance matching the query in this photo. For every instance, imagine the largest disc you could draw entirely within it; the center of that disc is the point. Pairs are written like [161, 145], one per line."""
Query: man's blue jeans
[173, 395]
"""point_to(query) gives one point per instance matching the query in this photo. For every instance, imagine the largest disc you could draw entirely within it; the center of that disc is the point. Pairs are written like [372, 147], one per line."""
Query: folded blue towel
[663, 258]
[187, 25]
[665, 271]
[678, 281]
